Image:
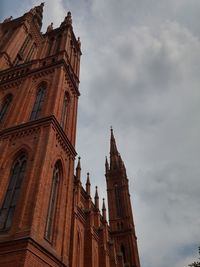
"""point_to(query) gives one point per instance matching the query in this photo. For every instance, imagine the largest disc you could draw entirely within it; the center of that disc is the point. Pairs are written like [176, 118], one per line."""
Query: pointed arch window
[118, 201]
[5, 106]
[37, 108]
[25, 44]
[64, 111]
[20, 56]
[31, 52]
[52, 203]
[13, 191]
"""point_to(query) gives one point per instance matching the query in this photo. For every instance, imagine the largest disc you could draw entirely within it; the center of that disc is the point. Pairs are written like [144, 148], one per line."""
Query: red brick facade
[47, 218]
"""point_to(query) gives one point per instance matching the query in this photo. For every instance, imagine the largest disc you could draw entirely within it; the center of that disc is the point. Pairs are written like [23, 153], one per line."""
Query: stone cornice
[50, 120]
[12, 74]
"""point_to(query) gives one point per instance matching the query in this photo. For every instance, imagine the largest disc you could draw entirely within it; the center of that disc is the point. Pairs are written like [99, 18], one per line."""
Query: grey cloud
[140, 72]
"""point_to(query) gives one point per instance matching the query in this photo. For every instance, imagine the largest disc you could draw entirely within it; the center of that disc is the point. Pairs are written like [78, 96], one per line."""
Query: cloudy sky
[140, 73]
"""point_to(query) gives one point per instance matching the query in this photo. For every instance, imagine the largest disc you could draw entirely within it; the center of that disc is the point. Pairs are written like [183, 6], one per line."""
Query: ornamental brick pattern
[47, 218]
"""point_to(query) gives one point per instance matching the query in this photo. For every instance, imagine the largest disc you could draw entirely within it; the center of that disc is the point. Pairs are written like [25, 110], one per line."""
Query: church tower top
[116, 163]
[119, 207]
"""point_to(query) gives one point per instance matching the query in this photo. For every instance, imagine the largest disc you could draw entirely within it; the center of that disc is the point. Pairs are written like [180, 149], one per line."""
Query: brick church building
[47, 218]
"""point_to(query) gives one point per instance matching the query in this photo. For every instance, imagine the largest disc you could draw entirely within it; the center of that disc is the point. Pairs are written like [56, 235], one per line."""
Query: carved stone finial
[79, 42]
[50, 27]
[88, 184]
[68, 19]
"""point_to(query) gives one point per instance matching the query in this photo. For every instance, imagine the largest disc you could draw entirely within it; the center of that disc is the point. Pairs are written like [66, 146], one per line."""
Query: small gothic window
[25, 44]
[52, 203]
[20, 56]
[118, 201]
[13, 190]
[31, 52]
[64, 111]
[37, 108]
[5, 106]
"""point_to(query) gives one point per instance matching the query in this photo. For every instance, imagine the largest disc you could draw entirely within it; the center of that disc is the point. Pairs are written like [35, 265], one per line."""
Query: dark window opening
[64, 111]
[37, 108]
[118, 202]
[31, 52]
[5, 106]
[52, 204]
[13, 191]
[24, 46]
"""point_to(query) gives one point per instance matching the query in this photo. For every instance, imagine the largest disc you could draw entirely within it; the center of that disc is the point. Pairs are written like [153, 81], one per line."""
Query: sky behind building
[140, 73]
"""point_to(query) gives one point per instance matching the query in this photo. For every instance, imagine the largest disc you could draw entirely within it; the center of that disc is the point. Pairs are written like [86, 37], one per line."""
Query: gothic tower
[120, 212]
[39, 80]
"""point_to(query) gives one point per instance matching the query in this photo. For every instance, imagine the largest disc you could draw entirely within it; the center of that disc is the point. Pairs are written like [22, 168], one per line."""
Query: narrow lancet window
[31, 52]
[64, 111]
[118, 200]
[37, 108]
[13, 191]
[5, 106]
[25, 44]
[52, 203]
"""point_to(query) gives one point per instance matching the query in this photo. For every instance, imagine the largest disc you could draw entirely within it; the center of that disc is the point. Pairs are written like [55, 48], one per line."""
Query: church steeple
[119, 207]
[116, 163]
[113, 146]
[114, 154]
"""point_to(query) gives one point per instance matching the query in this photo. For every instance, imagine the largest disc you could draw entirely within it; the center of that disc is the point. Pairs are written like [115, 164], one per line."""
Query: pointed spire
[114, 154]
[50, 27]
[96, 198]
[38, 9]
[106, 165]
[37, 12]
[79, 42]
[104, 210]
[78, 169]
[68, 20]
[116, 162]
[88, 184]
[113, 146]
